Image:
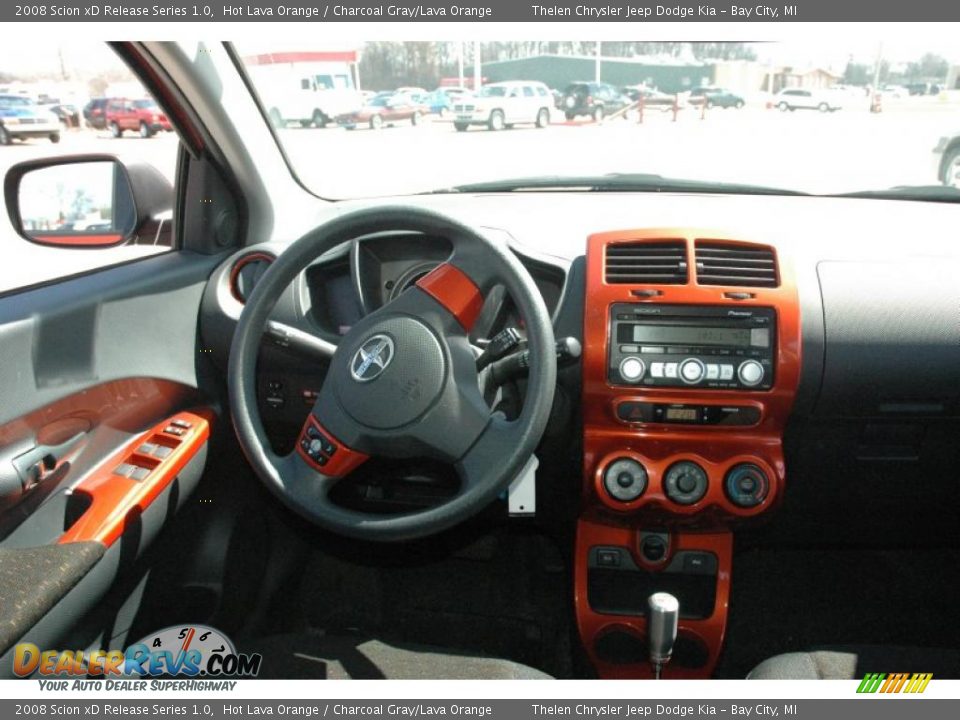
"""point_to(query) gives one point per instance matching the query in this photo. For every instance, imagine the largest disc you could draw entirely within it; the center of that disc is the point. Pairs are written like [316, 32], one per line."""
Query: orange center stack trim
[697, 524]
[713, 446]
[132, 478]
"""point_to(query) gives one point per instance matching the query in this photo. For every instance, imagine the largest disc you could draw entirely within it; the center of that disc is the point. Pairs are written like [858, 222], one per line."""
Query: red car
[384, 109]
[143, 116]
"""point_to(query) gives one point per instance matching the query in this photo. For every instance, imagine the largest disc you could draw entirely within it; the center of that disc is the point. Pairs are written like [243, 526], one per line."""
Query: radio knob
[750, 373]
[692, 371]
[632, 369]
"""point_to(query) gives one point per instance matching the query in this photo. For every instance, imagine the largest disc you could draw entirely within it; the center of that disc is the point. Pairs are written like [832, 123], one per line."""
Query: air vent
[246, 273]
[639, 263]
[738, 265]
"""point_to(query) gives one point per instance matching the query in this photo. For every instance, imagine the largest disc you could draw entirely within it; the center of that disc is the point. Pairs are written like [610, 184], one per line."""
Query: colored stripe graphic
[891, 683]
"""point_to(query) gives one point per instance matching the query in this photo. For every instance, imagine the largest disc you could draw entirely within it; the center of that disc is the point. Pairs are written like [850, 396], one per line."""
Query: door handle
[25, 466]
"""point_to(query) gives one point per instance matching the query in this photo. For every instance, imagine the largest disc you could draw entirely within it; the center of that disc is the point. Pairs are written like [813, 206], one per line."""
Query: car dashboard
[722, 335]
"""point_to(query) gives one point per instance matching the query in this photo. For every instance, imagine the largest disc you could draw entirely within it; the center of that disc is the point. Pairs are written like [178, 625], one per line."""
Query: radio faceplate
[694, 346]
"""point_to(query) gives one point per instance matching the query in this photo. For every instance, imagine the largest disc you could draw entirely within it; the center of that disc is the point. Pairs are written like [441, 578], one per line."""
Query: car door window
[145, 136]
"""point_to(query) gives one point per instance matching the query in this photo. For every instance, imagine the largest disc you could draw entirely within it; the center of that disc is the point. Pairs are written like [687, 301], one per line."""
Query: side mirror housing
[88, 201]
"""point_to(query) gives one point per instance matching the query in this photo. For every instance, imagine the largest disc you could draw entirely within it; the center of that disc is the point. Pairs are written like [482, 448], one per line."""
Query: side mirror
[88, 201]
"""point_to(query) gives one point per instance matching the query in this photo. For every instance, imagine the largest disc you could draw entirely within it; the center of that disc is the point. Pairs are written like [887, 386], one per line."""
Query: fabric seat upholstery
[853, 662]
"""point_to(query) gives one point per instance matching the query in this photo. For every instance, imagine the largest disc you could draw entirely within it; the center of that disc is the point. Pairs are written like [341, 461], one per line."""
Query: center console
[691, 363]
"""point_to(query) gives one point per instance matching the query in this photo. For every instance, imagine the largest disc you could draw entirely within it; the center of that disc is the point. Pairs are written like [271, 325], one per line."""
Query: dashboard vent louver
[738, 265]
[650, 263]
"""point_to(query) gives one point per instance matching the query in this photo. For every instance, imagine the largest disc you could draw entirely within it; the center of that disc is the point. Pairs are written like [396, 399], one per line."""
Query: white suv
[505, 104]
[794, 98]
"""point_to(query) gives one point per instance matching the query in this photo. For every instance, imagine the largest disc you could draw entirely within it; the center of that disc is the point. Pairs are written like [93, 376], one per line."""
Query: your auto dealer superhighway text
[630, 12]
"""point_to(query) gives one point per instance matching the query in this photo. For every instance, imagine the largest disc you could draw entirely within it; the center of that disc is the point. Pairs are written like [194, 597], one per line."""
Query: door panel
[96, 444]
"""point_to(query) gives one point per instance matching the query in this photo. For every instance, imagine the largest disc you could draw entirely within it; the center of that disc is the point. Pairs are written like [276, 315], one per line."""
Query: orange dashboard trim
[452, 288]
[715, 446]
[116, 498]
[709, 632]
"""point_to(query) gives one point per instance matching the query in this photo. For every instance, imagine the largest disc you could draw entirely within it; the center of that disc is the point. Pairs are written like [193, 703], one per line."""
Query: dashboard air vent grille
[739, 265]
[637, 263]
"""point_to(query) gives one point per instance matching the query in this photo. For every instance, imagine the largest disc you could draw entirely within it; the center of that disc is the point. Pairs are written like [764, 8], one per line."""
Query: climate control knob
[750, 373]
[692, 371]
[625, 479]
[632, 369]
[746, 485]
[685, 482]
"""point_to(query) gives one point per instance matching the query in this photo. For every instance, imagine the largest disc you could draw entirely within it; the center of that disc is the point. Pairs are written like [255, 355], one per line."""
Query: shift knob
[663, 611]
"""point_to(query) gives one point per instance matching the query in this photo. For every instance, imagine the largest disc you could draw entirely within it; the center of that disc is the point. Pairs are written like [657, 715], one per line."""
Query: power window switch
[181, 424]
[139, 473]
[147, 449]
[124, 469]
[162, 451]
[172, 430]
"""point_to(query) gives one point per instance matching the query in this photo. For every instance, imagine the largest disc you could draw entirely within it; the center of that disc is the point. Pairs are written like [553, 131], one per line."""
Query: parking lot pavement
[804, 150]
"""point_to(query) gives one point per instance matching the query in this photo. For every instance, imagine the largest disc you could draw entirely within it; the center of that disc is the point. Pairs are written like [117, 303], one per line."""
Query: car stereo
[703, 346]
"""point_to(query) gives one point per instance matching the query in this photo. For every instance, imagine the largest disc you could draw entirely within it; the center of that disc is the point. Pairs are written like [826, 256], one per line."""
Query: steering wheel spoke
[484, 458]
[323, 453]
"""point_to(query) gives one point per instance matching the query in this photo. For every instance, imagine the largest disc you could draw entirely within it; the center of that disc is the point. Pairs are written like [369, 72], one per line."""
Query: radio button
[656, 370]
[632, 369]
[692, 371]
[651, 349]
[713, 372]
[629, 348]
[750, 373]
[726, 372]
[670, 370]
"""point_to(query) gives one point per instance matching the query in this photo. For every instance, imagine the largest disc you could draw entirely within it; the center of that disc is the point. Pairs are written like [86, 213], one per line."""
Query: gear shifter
[663, 610]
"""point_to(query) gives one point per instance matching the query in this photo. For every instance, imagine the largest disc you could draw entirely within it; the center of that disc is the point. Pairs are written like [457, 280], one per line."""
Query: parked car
[22, 118]
[505, 104]
[385, 109]
[652, 98]
[66, 114]
[594, 99]
[441, 101]
[716, 97]
[807, 99]
[142, 115]
[947, 160]
[95, 113]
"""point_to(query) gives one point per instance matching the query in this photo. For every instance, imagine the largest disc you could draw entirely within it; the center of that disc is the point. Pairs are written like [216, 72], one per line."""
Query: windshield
[820, 117]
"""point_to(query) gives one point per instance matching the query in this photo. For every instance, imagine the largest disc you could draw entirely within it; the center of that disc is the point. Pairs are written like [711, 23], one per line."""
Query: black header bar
[411, 11]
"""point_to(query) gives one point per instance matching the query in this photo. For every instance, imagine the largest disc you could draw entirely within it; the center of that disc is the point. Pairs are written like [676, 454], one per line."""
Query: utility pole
[875, 97]
[477, 67]
[597, 71]
[460, 64]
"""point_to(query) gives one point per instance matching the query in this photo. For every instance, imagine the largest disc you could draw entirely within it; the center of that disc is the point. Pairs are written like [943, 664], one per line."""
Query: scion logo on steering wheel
[372, 358]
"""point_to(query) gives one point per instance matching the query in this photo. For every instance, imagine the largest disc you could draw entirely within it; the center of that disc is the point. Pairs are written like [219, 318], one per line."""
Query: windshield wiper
[616, 182]
[929, 193]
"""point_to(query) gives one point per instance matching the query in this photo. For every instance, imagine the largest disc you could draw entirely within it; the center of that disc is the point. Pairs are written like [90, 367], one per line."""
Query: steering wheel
[402, 383]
